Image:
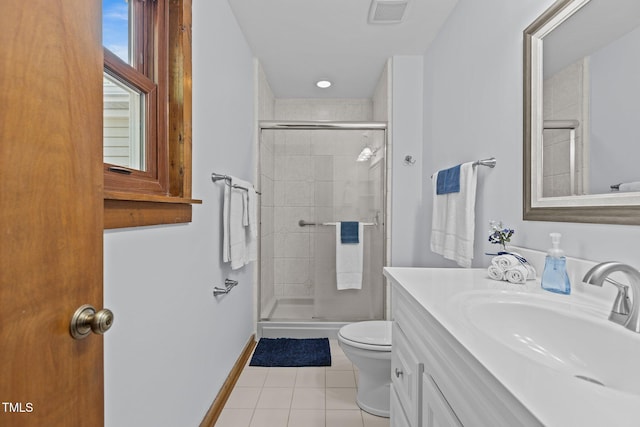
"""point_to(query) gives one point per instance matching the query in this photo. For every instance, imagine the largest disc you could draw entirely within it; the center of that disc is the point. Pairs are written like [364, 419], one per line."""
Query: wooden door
[50, 211]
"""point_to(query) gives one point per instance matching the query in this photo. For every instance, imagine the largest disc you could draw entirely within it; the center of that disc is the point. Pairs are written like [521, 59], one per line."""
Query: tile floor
[298, 397]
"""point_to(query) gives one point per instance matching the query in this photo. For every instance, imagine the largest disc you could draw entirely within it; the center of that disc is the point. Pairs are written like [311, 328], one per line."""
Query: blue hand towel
[349, 232]
[448, 181]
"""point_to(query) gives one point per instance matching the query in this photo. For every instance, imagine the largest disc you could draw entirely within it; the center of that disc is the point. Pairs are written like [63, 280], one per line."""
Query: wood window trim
[147, 74]
[133, 209]
[153, 179]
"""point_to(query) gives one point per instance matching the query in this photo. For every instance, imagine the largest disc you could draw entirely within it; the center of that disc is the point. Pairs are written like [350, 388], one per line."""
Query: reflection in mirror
[582, 86]
[591, 78]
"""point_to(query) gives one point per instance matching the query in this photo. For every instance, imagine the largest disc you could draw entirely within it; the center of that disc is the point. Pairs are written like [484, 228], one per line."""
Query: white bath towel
[239, 242]
[453, 221]
[349, 261]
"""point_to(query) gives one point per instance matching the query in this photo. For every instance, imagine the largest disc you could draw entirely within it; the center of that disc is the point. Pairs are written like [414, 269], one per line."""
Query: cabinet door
[398, 417]
[405, 375]
[436, 411]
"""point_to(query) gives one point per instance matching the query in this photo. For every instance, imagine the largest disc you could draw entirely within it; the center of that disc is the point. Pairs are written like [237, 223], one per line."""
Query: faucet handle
[621, 304]
[597, 276]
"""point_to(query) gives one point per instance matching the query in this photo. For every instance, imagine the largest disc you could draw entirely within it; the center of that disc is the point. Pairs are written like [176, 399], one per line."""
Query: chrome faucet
[620, 312]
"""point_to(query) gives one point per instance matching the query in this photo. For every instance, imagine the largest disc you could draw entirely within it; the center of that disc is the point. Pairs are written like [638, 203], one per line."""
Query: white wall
[615, 89]
[173, 344]
[407, 215]
[473, 109]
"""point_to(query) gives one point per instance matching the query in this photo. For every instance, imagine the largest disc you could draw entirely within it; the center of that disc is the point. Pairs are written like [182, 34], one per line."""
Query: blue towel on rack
[349, 232]
[448, 181]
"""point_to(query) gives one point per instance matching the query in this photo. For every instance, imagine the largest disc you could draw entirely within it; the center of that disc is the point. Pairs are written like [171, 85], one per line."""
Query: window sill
[123, 209]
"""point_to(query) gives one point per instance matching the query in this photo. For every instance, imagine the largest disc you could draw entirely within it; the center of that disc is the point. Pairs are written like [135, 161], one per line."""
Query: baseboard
[218, 404]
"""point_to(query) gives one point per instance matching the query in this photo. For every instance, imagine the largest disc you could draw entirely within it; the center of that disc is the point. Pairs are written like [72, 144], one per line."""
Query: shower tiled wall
[324, 109]
[300, 172]
[565, 98]
[308, 166]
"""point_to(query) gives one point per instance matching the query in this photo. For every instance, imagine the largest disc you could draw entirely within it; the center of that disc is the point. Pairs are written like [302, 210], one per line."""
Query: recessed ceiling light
[323, 84]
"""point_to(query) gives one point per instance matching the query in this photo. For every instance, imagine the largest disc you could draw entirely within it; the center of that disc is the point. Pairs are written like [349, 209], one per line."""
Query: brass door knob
[86, 320]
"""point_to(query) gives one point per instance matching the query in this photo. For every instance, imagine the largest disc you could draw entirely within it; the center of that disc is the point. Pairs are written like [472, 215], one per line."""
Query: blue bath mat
[292, 352]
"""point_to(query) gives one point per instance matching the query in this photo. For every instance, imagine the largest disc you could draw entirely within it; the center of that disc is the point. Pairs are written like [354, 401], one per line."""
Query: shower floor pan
[293, 318]
[299, 329]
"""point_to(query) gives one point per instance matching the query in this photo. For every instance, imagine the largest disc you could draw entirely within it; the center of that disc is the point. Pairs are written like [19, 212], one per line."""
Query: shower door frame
[325, 125]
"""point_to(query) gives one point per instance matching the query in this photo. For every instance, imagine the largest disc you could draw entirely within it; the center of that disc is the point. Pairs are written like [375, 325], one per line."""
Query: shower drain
[591, 380]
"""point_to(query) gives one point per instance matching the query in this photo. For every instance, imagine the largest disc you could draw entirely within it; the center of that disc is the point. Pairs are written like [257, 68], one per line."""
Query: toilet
[368, 346]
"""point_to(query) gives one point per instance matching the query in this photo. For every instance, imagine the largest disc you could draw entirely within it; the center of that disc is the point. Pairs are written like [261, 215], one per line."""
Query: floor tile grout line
[298, 371]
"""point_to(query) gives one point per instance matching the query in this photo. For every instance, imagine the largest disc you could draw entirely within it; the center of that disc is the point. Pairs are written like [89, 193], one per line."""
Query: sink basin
[574, 340]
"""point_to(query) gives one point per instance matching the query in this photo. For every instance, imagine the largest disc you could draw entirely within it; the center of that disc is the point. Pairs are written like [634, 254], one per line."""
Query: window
[135, 90]
[147, 112]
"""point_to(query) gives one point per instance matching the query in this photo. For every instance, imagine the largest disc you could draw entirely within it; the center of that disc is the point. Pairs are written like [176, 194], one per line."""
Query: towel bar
[228, 285]
[490, 162]
[303, 223]
[227, 180]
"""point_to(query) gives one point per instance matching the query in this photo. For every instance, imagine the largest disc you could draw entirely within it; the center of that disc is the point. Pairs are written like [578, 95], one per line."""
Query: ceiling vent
[387, 11]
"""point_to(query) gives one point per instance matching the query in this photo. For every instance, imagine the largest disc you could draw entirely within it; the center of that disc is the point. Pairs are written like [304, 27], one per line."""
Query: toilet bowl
[368, 346]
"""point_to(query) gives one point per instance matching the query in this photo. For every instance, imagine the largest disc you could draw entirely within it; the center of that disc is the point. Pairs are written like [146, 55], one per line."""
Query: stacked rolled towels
[512, 268]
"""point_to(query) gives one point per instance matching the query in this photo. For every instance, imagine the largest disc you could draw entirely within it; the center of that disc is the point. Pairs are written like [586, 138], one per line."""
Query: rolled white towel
[630, 186]
[531, 272]
[495, 272]
[504, 262]
[517, 274]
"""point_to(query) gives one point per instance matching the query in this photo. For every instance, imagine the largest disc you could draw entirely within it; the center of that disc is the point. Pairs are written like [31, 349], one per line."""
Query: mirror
[581, 104]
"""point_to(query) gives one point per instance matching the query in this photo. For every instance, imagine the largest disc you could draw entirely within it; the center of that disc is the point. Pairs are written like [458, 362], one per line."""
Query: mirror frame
[601, 209]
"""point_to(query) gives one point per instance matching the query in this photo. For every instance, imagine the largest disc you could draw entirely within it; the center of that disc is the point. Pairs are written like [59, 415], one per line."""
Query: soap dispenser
[555, 277]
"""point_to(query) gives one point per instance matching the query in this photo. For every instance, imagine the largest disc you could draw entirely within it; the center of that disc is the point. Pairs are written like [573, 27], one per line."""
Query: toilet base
[371, 353]
[374, 397]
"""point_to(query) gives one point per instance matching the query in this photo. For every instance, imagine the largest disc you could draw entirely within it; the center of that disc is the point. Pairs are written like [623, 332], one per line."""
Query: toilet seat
[372, 335]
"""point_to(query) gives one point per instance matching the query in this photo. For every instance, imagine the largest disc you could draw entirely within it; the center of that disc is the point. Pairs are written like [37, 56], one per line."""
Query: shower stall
[313, 175]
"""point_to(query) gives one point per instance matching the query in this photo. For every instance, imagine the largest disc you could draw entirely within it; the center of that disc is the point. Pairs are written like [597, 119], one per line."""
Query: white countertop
[554, 397]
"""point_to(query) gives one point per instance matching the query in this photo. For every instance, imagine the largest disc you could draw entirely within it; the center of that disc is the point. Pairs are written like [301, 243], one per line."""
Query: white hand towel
[249, 219]
[236, 240]
[253, 225]
[495, 272]
[504, 262]
[349, 260]
[517, 274]
[226, 232]
[453, 222]
[237, 233]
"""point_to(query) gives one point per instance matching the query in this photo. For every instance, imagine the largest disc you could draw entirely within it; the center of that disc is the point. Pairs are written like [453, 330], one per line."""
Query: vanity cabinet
[436, 382]
[406, 372]
[436, 411]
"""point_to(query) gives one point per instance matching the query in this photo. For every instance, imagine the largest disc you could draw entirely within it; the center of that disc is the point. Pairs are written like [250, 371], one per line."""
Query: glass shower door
[349, 186]
[314, 175]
